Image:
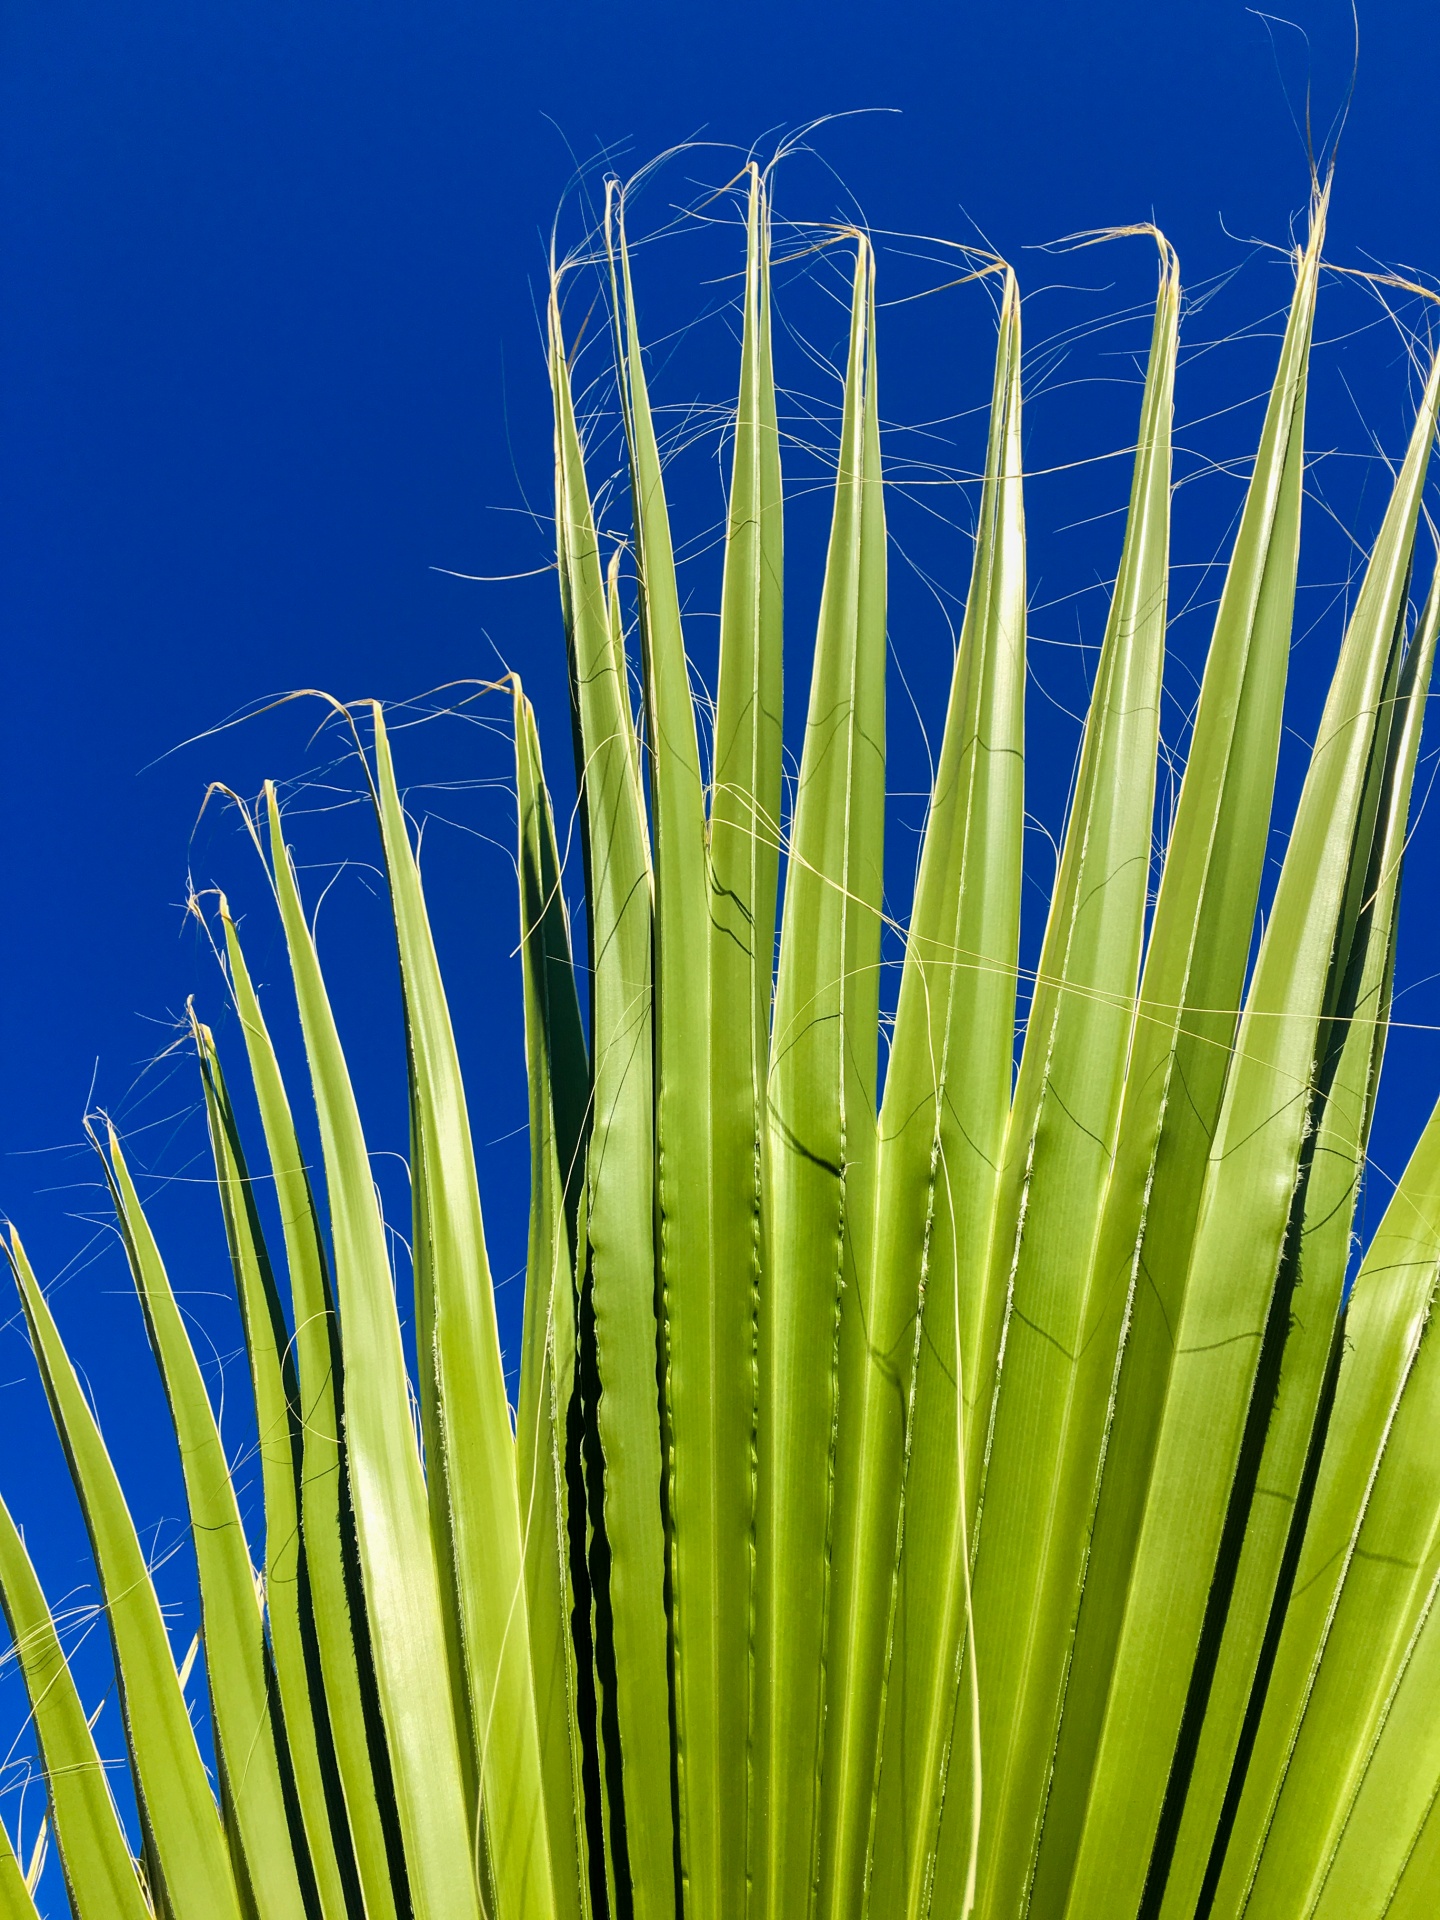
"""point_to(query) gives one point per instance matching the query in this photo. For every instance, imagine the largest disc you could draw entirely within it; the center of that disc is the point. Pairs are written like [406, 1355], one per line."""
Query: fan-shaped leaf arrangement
[983, 1499]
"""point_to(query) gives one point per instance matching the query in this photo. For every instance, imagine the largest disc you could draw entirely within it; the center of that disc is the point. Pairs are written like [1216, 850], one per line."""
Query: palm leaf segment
[975, 1498]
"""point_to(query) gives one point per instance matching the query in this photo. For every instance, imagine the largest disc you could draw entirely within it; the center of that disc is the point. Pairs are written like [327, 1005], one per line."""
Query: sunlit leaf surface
[972, 1493]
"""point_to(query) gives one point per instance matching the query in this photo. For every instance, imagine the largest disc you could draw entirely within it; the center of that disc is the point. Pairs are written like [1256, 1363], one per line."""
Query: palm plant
[991, 1500]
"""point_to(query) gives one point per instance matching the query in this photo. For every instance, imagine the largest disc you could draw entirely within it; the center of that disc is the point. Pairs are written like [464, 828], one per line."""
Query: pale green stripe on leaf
[1358, 1814]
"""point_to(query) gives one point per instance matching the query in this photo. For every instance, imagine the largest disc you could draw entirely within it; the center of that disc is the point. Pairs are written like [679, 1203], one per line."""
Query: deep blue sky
[269, 357]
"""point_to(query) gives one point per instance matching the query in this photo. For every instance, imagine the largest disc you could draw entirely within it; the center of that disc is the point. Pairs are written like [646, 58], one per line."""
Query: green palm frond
[976, 1493]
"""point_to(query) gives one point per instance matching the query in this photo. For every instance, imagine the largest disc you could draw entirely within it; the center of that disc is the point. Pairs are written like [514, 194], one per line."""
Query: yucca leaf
[476, 1462]
[99, 1871]
[327, 1524]
[1237, 1302]
[308, 1741]
[387, 1486]
[1189, 1006]
[744, 869]
[820, 1142]
[942, 1123]
[549, 1415]
[700, 1530]
[1030, 1542]
[1346, 1075]
[628, 1543]
[16, 1900]
[182, 1821]
[232, 1623]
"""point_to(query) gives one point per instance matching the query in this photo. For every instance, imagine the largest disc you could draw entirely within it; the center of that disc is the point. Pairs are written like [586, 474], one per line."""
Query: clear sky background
[269, 358]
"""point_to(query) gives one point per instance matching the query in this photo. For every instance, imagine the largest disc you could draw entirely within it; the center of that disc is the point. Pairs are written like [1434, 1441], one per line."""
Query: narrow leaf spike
[1188, 1010]
[16, 1897]
[1030, 1543]
[687, 1279]
[549, 1416]
[98, 1868]
[820, 1146]
[475, 1463]
[182, 1821]
[232, 1625]
[341, 1629]
[1346, 1071]
[305, 1727]
[1351, 1610]
[744, 868]
[402, 1587]
[628, 1537]
[1203, 1473]
[947, 1097]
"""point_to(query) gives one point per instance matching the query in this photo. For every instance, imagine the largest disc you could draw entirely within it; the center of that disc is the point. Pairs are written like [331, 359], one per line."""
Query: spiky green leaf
[96, 1858]
[820, 1144]
[387, 1486]
[182, 1822]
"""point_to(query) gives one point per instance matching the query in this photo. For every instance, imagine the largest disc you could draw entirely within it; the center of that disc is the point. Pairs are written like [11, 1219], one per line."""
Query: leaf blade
[1350, 1060]
[820, 1138]
[686, 1277]
[1029, 1544]
[232, 1626]
[99, 1871]
[628, 1540]
[1241, 1235]
[550, 1413]
[307, 1733]
[327, 1524]
[16, 1900]
[477, 1466]
[744, 874]
[1190, 999]
[942, 1122]
[181, 1819]
[402, 1589]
